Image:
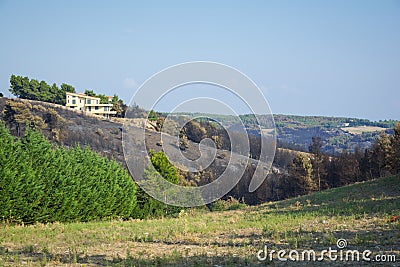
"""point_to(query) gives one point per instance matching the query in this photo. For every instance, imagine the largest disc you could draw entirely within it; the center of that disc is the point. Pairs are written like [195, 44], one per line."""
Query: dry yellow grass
[363, 129]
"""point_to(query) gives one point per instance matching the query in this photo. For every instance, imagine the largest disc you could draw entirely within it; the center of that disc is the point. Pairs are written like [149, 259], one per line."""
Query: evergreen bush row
[42, 183]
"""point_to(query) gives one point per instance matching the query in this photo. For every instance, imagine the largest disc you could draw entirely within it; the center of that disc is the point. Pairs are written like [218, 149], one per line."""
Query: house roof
[82, 95]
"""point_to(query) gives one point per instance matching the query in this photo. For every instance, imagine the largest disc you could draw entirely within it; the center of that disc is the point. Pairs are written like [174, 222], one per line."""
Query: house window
[105, 109]
[73, 102]
[90, 108]
[88, 101]
[96, 108]
[97, 101]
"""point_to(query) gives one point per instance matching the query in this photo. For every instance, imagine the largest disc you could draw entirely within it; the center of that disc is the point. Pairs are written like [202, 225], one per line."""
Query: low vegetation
[361, 213]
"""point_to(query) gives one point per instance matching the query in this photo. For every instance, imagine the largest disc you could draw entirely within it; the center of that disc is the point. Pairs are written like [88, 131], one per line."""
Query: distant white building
[89, 104]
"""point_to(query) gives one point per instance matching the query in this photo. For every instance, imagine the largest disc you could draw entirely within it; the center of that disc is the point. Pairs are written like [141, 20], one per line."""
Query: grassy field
[363, 129]
[359, 213]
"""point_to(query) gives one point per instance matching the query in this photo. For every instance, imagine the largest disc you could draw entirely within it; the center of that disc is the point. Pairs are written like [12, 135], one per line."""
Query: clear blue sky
[336, 58]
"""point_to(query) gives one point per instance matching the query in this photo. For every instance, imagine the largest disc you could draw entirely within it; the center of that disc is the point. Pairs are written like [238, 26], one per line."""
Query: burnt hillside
[63, 126]
[67, 127]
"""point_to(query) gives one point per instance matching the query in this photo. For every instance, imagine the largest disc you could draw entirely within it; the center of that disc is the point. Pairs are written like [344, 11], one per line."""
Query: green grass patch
[195, 237]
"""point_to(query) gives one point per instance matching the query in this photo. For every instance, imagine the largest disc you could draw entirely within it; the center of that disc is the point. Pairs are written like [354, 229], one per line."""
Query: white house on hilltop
[89, 104]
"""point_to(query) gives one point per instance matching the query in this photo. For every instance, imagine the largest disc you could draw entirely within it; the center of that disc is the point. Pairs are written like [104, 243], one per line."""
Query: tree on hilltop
[23, 87]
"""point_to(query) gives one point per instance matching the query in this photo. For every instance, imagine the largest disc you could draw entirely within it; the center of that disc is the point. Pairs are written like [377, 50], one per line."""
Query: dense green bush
[148, 207]
[39, 183]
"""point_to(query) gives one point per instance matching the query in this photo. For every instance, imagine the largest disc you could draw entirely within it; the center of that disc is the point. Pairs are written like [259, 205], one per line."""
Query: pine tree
[319, 171]
[394, 157]
[300, 175]
[381, 151]
[160, 168]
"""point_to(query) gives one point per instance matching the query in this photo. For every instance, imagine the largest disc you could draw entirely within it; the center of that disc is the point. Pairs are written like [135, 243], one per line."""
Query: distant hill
[295, 132]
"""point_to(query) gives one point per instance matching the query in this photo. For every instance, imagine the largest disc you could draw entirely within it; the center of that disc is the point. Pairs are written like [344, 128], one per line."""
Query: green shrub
[39, 183]
[229, 204]
[152, 116]
[148, 207]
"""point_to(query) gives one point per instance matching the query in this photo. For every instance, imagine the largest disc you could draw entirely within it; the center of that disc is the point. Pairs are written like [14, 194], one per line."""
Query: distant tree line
[295, 121]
